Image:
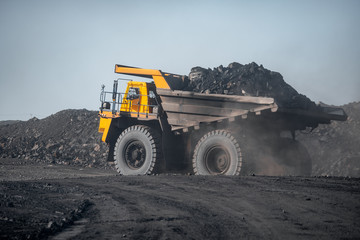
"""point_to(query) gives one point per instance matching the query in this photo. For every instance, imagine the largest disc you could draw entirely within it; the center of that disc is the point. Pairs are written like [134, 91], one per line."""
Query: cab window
[133, 93]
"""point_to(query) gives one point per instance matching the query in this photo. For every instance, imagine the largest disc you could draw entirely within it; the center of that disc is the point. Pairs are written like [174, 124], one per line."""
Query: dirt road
[91, 203]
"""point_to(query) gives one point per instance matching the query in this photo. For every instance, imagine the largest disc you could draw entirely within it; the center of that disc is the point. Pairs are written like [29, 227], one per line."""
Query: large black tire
[217, 153]
[295, 158]
[137, 151]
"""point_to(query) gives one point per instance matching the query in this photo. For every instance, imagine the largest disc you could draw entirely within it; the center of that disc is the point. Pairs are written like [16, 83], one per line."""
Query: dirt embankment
[334, 148]
[67, 137]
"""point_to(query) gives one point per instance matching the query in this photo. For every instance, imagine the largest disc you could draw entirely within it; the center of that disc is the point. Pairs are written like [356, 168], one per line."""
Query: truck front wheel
[137, 151]
[217, 153]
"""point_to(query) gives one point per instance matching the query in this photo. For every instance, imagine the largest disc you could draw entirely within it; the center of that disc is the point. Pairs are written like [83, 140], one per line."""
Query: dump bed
[186, 110]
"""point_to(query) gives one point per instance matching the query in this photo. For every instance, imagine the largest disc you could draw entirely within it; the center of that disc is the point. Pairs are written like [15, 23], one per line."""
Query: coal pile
[67, 137]
[247, 80]
[334, 148]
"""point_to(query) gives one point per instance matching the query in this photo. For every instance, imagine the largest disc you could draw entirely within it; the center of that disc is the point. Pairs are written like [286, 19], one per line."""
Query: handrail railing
[115, 105]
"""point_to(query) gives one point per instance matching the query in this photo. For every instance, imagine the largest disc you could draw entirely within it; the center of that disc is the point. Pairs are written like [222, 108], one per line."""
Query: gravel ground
[40, 201]
[21, 170]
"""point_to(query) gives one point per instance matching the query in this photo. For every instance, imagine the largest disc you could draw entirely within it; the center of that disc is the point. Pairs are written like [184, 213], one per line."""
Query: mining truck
[155, 126]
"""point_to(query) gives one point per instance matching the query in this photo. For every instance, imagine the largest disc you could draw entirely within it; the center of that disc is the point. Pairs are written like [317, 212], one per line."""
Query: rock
[50, 224]
[36, 146]
[97, 148]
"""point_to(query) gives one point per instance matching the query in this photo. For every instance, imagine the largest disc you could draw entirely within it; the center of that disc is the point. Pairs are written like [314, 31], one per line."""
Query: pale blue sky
[55, 55]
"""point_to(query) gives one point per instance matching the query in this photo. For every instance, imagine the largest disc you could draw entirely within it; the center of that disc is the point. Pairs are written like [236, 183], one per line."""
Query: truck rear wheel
[137, 150]
[217, 153]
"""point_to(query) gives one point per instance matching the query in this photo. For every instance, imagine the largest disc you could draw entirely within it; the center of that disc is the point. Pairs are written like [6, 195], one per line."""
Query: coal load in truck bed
[247, 80]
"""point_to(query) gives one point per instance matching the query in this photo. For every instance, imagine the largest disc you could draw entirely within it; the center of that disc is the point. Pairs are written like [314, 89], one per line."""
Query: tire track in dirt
[222, 207]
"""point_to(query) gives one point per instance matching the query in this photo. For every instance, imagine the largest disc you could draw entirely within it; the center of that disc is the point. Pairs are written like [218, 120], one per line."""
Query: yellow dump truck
[157, 127]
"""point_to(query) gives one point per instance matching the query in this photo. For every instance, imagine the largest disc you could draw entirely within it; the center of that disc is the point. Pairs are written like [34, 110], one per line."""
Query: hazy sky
[55, 55]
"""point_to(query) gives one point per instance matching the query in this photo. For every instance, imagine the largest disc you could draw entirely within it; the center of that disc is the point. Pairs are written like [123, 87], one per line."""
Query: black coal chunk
[247, 80]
